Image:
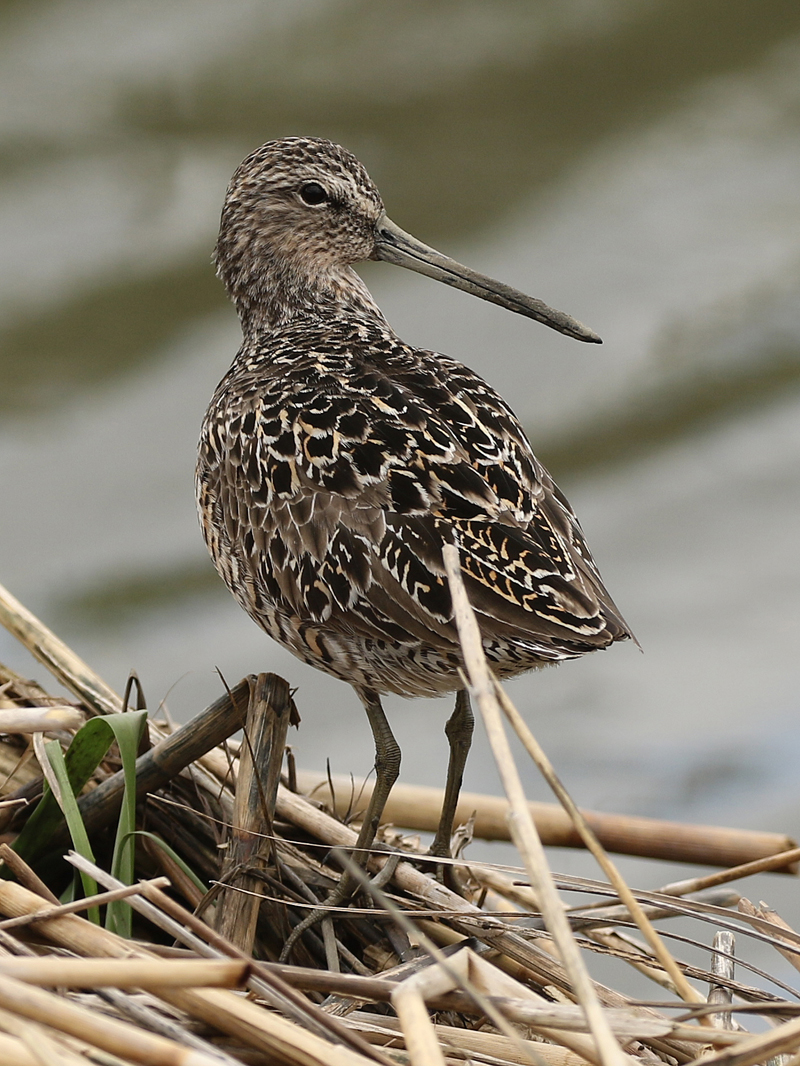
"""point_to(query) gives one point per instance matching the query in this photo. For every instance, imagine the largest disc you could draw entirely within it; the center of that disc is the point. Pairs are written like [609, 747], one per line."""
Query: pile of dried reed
[232, 849]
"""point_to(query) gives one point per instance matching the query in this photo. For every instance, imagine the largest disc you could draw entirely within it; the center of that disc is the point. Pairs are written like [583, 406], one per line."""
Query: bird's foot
[348, 884]
[335, 898]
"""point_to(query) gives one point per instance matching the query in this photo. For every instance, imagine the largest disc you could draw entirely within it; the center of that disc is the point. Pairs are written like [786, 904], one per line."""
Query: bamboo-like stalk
[523, 829]
[108, 1034]
[56, 972]
[40, 719]
[418, 807]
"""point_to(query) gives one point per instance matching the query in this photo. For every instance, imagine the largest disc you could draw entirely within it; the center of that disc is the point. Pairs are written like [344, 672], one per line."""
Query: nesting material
[409, 971]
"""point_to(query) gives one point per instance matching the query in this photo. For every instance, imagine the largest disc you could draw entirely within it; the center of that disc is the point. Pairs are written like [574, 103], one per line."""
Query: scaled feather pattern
[336, 460]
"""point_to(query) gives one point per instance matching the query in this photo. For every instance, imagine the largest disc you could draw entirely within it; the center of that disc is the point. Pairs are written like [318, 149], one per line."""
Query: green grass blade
[77, 830]
[88, 747]
[72, 771]
[164, 846]
[128, 729]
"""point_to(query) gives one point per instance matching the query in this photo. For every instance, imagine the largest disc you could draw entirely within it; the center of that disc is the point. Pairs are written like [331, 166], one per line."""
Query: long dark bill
[394, 245]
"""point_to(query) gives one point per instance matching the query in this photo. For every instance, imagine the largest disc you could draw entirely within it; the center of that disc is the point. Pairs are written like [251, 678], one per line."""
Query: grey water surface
[633, 163]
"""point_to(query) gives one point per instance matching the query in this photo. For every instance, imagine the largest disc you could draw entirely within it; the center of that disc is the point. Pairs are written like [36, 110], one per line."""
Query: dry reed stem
[165, 913]
[73, 673]
[546, 768]
[601, 910]
[786, 860]
[40, 719]
[722, 965]
[784, 1039]
[56, 972]
[466, 1043]
[240, 1018]
[766, 914]
[108, 1034]
[98, 900]
[522, 826]
[418, 807]
[633, 955]
[15, 1052]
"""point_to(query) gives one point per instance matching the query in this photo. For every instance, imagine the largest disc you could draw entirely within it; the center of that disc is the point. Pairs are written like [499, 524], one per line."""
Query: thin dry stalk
[25, 875]
[522, 826]
[785, 860]
[98, 900]
[766, 914]
[546, 768]
[785, 1039]
[633, 954]
[70, 670]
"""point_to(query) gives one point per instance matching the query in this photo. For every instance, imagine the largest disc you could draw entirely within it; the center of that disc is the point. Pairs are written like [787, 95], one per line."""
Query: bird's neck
[277, 295]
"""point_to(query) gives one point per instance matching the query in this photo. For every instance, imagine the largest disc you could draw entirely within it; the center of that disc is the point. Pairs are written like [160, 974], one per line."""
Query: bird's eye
[312, 193]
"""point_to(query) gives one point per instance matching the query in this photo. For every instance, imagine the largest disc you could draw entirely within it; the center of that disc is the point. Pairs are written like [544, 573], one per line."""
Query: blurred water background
[633, 162]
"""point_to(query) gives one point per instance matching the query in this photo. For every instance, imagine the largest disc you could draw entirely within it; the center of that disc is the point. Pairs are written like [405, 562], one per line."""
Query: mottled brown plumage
[335, 460]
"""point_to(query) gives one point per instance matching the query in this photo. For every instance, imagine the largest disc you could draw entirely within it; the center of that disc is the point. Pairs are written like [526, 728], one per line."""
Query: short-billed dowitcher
[335, 461]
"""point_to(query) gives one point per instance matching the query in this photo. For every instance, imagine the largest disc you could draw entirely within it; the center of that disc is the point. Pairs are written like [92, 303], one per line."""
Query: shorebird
[336, 460]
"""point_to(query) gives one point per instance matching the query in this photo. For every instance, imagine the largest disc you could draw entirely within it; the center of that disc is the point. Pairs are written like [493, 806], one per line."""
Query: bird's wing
[334, 496]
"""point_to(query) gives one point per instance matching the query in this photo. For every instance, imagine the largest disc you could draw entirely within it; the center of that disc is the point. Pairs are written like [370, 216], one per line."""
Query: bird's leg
[458, 730]
[387, 767]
